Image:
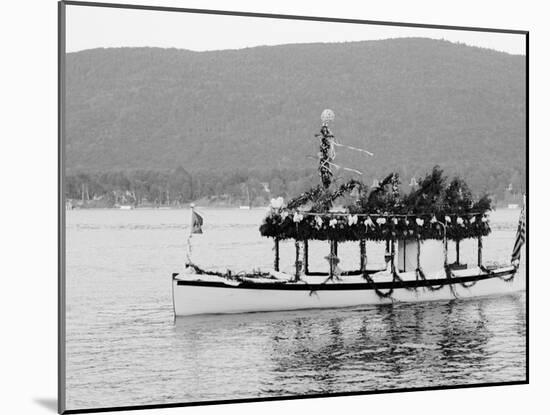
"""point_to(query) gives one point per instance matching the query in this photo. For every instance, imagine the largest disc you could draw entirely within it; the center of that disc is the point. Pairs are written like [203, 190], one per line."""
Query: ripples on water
[124, 349]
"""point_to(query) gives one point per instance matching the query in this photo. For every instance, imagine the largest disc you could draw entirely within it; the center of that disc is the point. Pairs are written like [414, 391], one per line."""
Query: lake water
[123, 347]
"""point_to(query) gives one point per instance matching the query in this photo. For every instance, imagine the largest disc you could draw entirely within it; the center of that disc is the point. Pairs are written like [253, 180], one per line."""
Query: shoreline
[212, 206]
[181, 207]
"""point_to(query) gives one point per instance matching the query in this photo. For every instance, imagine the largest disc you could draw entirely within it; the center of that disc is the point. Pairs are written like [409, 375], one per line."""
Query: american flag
[520, 237]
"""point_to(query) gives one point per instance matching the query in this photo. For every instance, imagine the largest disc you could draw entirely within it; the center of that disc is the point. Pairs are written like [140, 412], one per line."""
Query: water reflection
[359, 349]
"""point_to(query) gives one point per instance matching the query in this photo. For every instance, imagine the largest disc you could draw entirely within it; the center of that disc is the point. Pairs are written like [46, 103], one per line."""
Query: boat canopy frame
[302, 257]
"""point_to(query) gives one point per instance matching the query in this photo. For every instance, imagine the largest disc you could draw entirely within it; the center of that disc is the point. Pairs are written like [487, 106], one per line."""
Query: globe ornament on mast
[326, 149]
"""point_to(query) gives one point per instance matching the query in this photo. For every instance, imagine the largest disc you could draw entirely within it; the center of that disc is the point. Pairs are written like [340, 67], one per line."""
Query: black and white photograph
[258, 207]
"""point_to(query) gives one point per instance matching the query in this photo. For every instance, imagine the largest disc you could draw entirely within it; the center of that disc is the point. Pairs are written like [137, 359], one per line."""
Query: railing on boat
[301, 263]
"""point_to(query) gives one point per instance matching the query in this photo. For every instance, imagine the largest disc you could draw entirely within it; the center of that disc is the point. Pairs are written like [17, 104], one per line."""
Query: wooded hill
[413, 102]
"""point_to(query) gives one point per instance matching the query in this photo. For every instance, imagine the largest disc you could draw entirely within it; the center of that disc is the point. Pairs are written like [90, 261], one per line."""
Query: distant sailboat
[248, 205]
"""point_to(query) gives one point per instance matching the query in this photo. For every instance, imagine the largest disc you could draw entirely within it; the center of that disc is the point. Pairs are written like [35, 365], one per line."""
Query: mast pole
[332, 258]
[326, 156]
[276, 247]
[363, 253]
[479, 251]
[298, 262]
[326, 149]
[392, 256]
[418, 252]
[306, 257]
[445, 246]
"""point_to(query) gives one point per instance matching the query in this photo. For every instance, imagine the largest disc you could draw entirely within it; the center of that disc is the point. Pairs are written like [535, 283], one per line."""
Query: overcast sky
[92, 27]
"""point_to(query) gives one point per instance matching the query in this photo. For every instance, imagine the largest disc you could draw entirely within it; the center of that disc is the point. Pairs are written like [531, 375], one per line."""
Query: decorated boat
[415, 229]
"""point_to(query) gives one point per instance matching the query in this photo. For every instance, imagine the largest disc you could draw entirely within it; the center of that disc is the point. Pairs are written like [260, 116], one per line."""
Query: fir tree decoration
[458, 197]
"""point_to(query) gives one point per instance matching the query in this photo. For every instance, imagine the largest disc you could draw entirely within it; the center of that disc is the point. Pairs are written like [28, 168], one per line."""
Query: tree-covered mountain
[413, 102]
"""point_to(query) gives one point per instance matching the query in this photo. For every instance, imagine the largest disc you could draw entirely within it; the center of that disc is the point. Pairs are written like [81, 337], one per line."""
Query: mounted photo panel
[256, 207]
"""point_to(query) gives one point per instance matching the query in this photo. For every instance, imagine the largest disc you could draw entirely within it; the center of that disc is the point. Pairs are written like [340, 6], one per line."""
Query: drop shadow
[48, 403]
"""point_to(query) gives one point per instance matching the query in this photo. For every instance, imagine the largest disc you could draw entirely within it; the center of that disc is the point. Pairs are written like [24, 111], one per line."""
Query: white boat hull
[199, 294]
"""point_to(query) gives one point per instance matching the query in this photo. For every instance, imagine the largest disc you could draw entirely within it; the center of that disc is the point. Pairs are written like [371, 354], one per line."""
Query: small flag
[520, 237]
[196, 222]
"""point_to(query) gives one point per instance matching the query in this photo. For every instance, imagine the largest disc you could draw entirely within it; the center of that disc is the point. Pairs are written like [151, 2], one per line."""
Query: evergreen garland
[397, 278]
[379, 293]
[420, 275]
[240, 276]
[432, 211]
[326, 156]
